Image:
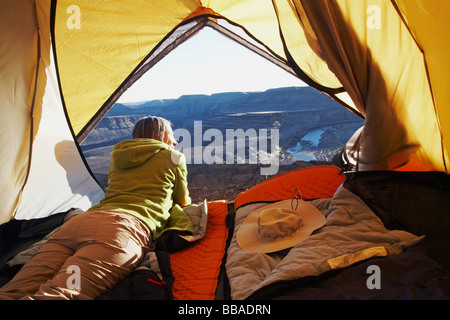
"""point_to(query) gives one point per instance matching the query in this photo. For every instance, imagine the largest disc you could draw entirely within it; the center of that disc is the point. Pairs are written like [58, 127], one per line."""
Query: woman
[147, 185]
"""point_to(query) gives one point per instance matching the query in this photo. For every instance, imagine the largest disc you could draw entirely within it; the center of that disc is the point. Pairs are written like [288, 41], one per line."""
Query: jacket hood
[133, 153]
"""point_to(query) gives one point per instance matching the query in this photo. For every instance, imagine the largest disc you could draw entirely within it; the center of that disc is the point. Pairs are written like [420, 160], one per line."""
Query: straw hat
[278, 226]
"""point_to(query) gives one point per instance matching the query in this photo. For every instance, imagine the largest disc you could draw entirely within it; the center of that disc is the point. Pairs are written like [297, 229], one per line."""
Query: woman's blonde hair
[151, 127]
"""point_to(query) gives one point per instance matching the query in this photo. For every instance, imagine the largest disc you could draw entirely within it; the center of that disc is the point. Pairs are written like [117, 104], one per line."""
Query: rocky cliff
[294, 111]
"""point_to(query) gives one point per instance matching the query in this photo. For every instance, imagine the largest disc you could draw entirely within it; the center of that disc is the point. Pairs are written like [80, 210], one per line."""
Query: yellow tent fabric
[384, 59]
[428, 23]
[364, 48]
[371, 51]
[98, 46]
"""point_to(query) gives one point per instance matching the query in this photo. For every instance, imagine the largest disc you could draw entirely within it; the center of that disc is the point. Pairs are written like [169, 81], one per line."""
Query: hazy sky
[205, 64]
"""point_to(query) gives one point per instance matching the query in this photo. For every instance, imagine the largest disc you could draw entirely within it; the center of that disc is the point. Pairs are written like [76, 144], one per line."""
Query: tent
[65, 63]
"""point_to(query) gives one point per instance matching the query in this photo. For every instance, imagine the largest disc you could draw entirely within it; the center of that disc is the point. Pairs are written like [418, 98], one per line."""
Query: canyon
[312, 129]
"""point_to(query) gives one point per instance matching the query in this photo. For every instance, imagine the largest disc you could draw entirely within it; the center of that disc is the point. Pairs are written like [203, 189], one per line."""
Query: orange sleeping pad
[196, 269]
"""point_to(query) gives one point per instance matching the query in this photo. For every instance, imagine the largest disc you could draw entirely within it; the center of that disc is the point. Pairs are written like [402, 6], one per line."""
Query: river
[314, 138]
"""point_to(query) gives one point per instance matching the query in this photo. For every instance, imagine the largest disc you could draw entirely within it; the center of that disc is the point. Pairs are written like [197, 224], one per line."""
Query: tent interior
[64, 66]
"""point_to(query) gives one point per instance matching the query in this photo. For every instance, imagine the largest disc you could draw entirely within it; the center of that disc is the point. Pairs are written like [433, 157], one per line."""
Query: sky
[205, 64]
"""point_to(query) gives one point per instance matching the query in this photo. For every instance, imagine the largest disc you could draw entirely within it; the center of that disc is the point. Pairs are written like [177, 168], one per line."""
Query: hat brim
[247, 235]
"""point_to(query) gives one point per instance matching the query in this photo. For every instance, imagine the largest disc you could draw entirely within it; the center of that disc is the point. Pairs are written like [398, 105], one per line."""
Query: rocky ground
[224, 182]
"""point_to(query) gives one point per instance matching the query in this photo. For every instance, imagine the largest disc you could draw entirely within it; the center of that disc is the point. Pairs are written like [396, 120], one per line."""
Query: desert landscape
[312, 130]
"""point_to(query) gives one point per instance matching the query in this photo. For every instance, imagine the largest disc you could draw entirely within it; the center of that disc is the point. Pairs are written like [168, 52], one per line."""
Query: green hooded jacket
[148, 180]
